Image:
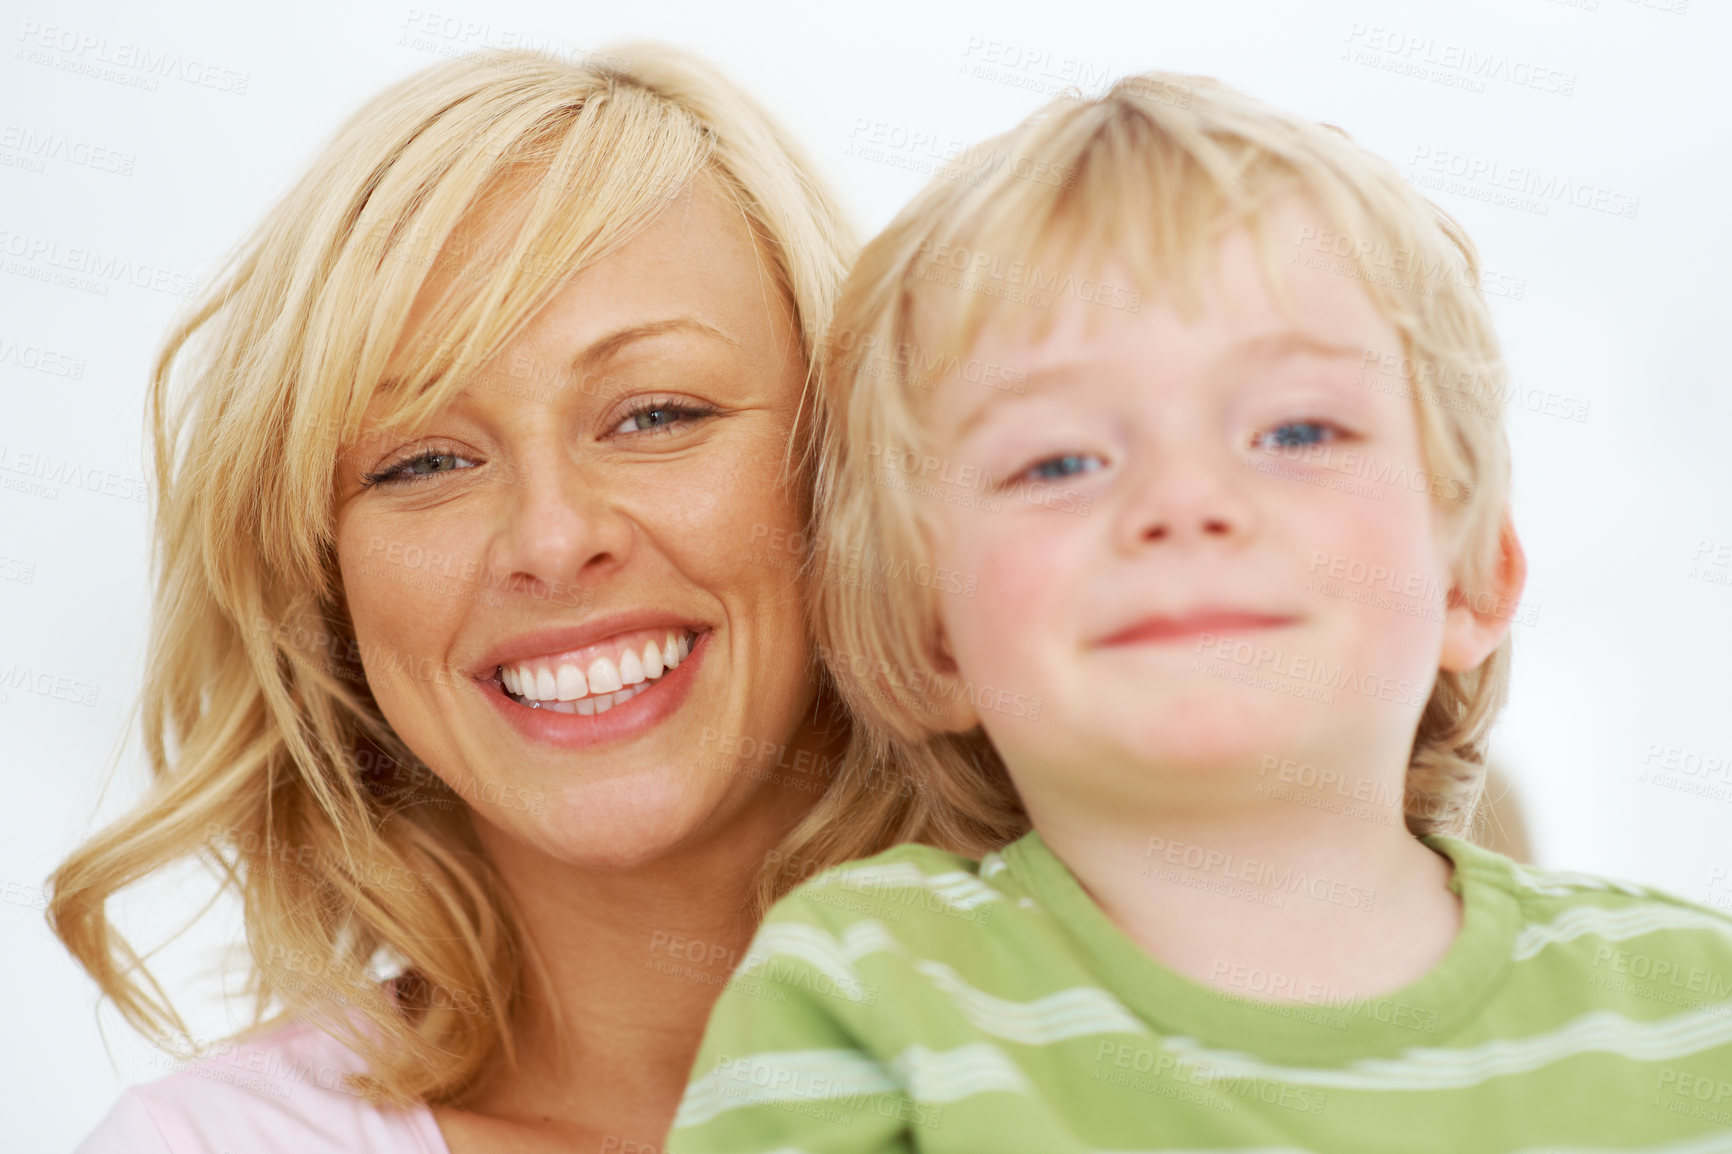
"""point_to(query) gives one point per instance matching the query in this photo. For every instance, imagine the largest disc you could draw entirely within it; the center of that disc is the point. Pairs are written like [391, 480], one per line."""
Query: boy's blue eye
[1298, 433]
[1067, 465]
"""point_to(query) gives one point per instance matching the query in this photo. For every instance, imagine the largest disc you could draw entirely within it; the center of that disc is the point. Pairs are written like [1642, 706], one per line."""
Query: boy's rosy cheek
[1026, 578]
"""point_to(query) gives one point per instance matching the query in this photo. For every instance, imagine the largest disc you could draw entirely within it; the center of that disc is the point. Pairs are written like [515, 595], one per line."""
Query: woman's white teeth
[603, 684]
[604, 676]
[590, 705]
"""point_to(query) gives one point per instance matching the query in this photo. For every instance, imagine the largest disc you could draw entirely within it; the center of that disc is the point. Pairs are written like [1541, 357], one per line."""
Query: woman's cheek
[728, 508]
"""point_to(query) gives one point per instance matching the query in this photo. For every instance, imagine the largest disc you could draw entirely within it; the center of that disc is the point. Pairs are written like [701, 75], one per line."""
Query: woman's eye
[423, 465]
[656, 417]
[1297, 434]
[1063, 466]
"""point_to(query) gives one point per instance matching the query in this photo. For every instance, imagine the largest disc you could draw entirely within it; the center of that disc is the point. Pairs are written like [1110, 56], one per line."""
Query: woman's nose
[560, 525]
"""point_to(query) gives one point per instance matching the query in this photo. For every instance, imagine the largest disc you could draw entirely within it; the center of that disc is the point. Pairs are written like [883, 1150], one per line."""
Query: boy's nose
[1183, 499]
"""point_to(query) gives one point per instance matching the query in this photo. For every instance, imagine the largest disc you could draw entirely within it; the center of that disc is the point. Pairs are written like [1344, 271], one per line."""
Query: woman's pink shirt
[279, 1094]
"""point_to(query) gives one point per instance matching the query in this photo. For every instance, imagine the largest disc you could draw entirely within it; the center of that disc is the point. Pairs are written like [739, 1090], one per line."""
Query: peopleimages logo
[40, 259]
[927, 687]
[965, 483]
[1371, 258]
[1265, 877]
[974, 269]
[1454, 65]
[60, 471]
[38, 359]
[1260, 663]
[39, 147]
[122, 61]
[1435, 167]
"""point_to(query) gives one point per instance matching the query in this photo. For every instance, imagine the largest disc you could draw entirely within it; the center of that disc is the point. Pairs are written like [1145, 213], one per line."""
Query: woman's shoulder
[281, 1093]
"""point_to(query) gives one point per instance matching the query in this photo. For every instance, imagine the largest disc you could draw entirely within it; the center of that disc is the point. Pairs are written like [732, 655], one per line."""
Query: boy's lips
[1184, 626]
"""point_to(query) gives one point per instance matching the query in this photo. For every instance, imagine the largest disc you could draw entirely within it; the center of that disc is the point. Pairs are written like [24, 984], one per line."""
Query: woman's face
[607, 483]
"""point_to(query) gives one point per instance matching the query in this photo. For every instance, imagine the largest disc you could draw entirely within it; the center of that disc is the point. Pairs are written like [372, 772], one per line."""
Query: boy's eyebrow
[1271, 346]
[1291, 342]
[1031, 383]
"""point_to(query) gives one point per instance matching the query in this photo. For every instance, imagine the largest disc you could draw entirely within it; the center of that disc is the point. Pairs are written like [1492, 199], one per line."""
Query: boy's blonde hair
[1151, 174]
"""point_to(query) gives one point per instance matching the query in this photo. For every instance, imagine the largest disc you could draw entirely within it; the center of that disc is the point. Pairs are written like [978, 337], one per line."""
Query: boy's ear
[1474, 627]
[953, 706]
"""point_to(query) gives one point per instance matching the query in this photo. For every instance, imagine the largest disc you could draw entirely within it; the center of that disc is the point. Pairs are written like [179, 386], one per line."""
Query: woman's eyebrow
[611, 343]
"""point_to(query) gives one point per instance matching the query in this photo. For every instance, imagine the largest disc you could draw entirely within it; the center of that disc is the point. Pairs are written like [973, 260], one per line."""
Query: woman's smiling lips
[1194, 623]
[607, 680]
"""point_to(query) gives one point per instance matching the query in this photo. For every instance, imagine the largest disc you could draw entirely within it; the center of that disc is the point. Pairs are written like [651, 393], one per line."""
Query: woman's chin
[619, 823]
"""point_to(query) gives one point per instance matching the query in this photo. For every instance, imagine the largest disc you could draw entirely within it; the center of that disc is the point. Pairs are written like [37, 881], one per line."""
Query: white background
[1624, 668]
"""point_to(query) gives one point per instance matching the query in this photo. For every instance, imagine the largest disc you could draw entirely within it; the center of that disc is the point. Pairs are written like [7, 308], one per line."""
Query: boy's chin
[1211, 734]
[1210, 706]
[1203, 759]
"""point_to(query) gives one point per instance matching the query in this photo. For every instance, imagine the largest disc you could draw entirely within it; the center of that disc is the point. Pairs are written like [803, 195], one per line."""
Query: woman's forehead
[691, 273]
[694, 256]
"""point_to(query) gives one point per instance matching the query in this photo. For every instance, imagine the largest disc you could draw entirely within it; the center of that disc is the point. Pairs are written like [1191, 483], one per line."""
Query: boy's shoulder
[907, 883]
[1585, 912]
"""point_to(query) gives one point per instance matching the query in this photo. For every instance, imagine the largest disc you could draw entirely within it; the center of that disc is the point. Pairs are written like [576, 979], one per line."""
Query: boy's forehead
[1228, 312]
[1317, 312]
[1096, 291]
[1020, 364]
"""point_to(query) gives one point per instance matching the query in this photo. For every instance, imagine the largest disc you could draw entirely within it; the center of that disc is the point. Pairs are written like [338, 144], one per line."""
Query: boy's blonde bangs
[1050, 209]
[1147, 179]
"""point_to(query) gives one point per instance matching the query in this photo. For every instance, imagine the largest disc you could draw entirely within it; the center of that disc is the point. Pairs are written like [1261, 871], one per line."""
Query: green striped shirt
[918, 1000]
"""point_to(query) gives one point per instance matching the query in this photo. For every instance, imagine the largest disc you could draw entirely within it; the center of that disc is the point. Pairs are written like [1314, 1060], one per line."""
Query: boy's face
[1164, 508]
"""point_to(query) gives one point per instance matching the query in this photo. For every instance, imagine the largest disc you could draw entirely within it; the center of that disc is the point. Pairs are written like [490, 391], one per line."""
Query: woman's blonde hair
[269, 756]
[1151, 174]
